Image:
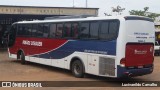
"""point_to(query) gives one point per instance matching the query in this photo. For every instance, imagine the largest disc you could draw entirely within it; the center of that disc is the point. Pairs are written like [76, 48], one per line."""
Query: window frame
[57, 29]
[118, 26]
[25, 24]
[78, 31]
[63, 31]
[79, 23]
[50, 30]
[99, 27]
[88, 30]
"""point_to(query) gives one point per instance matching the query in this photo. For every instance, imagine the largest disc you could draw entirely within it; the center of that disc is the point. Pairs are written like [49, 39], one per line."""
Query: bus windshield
[12, 36]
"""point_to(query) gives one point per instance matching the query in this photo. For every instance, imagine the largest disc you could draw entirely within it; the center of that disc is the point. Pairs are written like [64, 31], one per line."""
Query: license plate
[140, 66]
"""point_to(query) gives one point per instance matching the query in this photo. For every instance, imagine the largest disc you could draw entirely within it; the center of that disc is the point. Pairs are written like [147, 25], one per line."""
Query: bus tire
[77, 69]
[22, 58]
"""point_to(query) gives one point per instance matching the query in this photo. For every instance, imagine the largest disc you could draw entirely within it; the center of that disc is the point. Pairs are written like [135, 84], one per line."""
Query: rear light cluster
[122, 62]
[151, 49]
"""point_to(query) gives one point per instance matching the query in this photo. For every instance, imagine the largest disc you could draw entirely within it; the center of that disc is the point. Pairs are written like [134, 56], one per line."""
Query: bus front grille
[107, 66]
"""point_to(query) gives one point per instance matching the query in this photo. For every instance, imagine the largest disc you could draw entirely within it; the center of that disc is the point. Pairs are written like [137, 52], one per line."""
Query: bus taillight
[122, 62]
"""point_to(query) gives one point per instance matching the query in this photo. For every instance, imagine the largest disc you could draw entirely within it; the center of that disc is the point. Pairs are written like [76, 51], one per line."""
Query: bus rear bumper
[124, 72]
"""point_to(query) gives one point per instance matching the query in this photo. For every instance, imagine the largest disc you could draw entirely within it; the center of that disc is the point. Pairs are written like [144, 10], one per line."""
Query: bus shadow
[2, 50]
[101, 78]
[45, 67]
[114, 81]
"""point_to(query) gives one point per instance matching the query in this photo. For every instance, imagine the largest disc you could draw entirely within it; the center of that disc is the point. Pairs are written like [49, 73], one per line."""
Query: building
[11, 14]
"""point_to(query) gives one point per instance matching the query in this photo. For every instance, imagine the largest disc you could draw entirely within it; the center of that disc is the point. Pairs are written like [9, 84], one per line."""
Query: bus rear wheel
[77, 69]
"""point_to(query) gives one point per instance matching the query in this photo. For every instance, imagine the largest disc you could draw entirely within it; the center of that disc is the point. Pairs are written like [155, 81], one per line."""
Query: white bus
[114, 46]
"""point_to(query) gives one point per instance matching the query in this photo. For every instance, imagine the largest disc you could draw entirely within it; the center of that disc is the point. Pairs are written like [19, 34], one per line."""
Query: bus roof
[86, 19]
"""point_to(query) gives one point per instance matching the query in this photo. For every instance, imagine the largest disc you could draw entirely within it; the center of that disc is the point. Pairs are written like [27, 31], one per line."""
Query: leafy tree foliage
[144, 12]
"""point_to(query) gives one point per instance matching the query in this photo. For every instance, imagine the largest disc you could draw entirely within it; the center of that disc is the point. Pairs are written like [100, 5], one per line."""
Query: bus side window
[104, 33]
[40, 30]
[94, 26]
[27, 29]
[113, 28]
[75, 29]
[59, 30]
[52, 30]
[24, 31]
[84, 31]
[20, 30]
[109, 30]
[46, 30]
[67, 30]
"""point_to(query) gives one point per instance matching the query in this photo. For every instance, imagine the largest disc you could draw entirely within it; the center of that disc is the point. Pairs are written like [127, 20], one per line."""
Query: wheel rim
[77, 68]
[20, 57]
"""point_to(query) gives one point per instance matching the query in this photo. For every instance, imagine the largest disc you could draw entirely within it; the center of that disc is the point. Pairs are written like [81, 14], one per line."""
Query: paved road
[12, 70]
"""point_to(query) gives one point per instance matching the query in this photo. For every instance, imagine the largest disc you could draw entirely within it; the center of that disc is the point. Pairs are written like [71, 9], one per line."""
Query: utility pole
[86, 3]
[73, 3]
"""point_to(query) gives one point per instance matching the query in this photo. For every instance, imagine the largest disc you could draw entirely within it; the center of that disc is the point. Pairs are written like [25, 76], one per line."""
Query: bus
[157, 36]
[113, 46]
[157, 32]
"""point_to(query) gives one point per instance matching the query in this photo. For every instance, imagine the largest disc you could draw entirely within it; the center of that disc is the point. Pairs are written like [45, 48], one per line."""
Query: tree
[106, 14]
[118, 9]
[144, 13]
[146, 9]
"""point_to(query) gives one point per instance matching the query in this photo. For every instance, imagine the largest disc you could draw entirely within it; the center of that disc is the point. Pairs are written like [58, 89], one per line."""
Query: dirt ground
[12, 70]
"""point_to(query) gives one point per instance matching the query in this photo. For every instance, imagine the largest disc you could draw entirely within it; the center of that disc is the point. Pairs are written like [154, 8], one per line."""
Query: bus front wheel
[77, 69]
[22, 58]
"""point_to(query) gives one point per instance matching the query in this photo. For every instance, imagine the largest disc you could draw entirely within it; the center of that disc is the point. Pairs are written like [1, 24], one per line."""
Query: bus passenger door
[34, 53]
[34, 48]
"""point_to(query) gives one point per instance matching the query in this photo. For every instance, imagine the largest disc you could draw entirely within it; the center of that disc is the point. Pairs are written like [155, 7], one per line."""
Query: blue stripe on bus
[102, 47]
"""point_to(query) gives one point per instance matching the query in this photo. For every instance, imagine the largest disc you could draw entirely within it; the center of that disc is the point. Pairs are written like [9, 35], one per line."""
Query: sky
[103, 5]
